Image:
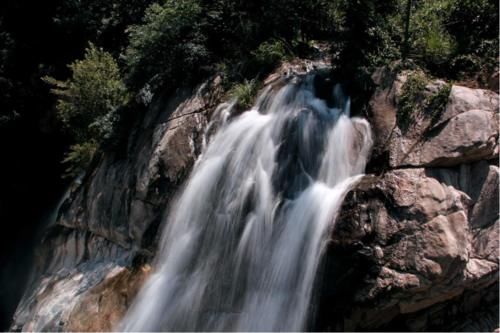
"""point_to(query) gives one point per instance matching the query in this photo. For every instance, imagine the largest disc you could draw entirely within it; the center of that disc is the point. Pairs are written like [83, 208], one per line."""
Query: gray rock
[467, 137]
[463, 99]
[466, 131]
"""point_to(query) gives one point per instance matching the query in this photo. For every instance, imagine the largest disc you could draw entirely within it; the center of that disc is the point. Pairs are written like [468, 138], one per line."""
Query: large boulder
[463, 99]
[469, 136]
[403, 243]
[415, 245]
[463, 131]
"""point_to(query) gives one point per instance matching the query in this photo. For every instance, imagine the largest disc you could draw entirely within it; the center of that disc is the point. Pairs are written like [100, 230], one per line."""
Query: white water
[242, 245]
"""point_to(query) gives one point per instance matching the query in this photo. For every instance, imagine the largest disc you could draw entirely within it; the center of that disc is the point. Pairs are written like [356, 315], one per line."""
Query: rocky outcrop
[416, 243]
[466, 130]
[414, 247]
[95, 257]
[90, 264]
[107, 302]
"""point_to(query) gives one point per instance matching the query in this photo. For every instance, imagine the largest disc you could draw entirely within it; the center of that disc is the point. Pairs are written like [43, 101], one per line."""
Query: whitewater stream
[242, 245]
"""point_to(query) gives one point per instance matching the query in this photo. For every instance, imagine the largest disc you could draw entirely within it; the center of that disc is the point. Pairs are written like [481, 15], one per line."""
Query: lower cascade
[242, 244]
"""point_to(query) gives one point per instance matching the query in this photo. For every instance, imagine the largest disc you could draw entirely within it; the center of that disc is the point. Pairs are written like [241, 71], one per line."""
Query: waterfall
[243, 242]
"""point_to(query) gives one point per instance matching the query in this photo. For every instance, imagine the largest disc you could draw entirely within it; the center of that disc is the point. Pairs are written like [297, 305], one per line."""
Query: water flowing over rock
[241, 247]
[108, 225]
[213, 219]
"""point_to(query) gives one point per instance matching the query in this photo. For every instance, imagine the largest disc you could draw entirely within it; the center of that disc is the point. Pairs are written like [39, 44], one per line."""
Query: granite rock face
[91, 261]
[96, 255]
[414, 247]
[466, 130]
[416, 243]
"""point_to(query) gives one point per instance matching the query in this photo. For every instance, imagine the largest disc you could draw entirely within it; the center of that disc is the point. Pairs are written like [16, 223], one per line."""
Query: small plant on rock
[411, 99]
[245, 93]
[436, 103]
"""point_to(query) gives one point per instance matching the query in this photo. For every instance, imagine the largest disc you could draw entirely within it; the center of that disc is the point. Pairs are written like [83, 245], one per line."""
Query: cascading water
[243, 242]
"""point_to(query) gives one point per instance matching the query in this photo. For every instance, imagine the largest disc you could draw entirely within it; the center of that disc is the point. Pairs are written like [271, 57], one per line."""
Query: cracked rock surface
[416, 243]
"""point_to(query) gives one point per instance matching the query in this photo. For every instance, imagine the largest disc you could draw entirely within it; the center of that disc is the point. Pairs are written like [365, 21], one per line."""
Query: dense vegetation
[161, 45]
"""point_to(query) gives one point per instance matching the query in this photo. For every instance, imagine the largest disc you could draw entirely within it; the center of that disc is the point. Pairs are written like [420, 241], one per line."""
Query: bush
[414, 100]
[431, 41]
[245, 93]
[436, 104]
[79, 158]
[88, 100]
[270, 53]
[411, 99]
[169, 47]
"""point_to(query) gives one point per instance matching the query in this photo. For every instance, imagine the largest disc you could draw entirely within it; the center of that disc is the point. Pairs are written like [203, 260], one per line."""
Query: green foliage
[414, 99]
[447, 37]
[474, 25]
[411, 99]
[169, 47]
[245, 93]
[270, 53]
[79, 158]
[363, 36]
[101, 21]
[436, 103]
[431, 42]
[87, 102]
[471, 22]
[179, 41]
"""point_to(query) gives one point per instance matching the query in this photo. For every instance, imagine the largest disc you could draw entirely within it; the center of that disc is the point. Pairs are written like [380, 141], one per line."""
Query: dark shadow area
[30, 185]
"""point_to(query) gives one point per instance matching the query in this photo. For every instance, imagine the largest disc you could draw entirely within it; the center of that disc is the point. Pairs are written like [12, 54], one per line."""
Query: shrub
[87, 99]
[245, 93]
[270, 53]
[78, 158]
[87, 102]
[436, 104]
[411, 99]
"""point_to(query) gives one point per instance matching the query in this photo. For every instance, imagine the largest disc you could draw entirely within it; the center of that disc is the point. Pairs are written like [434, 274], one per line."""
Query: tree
[169, 48]
[406, 45]
[88, 101]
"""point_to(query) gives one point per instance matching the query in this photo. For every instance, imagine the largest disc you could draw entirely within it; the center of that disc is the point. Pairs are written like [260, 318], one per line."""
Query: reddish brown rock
[105, 304]
[411, 250]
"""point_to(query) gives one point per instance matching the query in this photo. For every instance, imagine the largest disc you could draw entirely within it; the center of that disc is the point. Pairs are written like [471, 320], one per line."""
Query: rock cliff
[93, 258]
[415, 245]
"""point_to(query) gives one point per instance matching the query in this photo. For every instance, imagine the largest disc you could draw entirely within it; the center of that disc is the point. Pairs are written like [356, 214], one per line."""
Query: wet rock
[107, 302]
[86, 270]
[123, 198]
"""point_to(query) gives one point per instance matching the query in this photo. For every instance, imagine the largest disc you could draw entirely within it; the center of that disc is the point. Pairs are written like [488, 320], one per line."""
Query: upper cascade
[242, 245]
